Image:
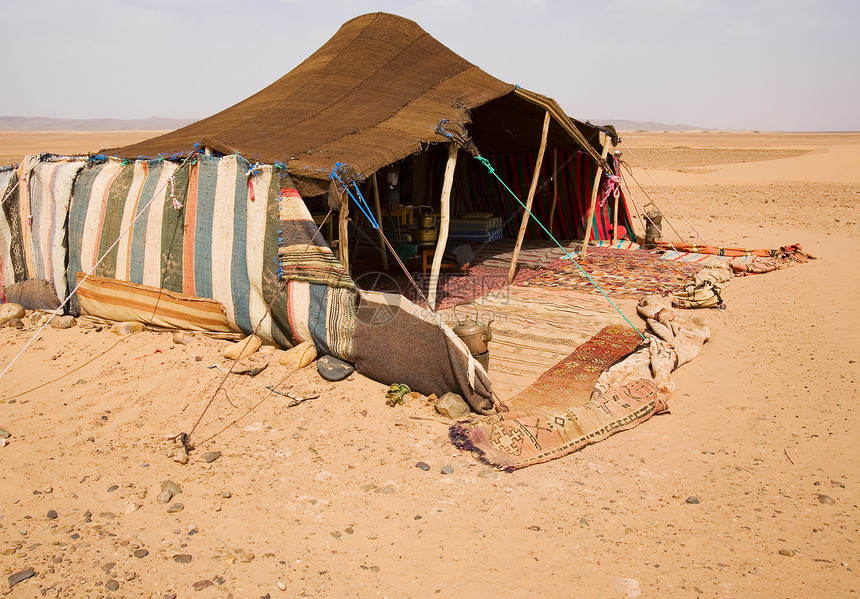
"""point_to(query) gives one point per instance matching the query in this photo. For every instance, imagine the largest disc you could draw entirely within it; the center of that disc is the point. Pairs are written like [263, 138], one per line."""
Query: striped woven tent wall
[9, 196]
[33, 228]
[576, 172]
[215, 228]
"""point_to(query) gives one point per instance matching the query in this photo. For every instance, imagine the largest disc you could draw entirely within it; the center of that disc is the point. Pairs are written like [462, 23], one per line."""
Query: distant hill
[623, 125]
[153, 123]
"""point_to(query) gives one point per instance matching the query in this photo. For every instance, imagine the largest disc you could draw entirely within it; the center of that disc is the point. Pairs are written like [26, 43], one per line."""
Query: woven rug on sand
[535, 328]
[557, 414]
[620, 273]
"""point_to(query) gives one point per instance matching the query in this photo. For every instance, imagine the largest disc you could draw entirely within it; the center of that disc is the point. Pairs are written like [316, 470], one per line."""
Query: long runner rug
[557, 414]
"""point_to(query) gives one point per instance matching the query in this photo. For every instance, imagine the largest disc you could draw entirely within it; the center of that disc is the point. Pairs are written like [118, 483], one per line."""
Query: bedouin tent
[376, 93]
[206, 227]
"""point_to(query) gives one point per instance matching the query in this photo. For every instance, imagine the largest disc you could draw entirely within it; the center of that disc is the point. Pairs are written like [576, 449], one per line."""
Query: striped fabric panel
[129, 209]
[50, 195]
[150, 189]
[91, 231]
[25, 215]
[8, 179]
[107, 244]
[154, 220]
[223, 226]
[173, 230]
[123, 301]
[260, 193]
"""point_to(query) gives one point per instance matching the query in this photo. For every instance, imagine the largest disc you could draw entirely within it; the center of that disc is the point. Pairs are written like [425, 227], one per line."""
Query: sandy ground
[325, 499]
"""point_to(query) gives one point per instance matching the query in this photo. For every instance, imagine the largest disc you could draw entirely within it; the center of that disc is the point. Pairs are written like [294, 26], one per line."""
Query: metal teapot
[474, 334]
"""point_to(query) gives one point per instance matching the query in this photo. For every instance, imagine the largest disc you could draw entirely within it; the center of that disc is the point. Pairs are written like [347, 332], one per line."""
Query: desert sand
[324, 499]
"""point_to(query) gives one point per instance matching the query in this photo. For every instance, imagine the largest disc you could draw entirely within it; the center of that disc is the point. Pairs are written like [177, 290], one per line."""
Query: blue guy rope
[492, 171]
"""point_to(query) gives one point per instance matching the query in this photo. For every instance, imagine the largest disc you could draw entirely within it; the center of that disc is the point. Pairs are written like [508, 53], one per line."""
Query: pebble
[21, 576]
[106, 568]
[692, 499]
[140, 553]
[244, 348]
[787, 552]
[299, 356]
[16, 323]
[4, 434]
[10, 311]
[51, 515]
[202, 584]
[423, 465]
[210, 456]
[826, 499]
[280, 584]
[583, 521]
[447, 469]
[172, 487]
[165, 496]
[452, 406]
[489, 473]
[132, 507]
[112, 488]
[127, 328]
[833, 483]
[176, 507]
[333, 369]
[63, 322]
[226, 494]
[182, 338]
[112, 585]
[182, 559]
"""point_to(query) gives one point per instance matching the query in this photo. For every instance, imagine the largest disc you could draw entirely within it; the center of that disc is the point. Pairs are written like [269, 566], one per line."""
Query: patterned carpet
[620, 273]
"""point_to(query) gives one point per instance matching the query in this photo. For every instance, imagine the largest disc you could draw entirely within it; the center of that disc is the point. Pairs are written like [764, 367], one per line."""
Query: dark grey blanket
[398, 342]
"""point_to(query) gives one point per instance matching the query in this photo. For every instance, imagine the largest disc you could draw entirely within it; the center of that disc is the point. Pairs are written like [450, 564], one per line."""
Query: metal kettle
[474, 334]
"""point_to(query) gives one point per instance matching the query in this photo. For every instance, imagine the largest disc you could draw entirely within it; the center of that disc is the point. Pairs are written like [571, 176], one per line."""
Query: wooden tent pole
[447, 183]
[595, 189]
[554, 188]
[521, 235]
[343, 231]
[376, 206]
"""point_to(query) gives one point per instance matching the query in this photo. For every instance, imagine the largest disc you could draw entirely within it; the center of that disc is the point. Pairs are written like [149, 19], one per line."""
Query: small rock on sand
[63, 322]
[21, 576]
[9, 312]
[299, 356]
[210, 456]
[826, 499]
[127, 328]
[244, 348]
[175, 508]
[452, 406]
[333, 369]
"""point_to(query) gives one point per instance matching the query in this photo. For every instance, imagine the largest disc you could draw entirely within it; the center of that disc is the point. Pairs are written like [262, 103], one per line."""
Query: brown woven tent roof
[373, 94]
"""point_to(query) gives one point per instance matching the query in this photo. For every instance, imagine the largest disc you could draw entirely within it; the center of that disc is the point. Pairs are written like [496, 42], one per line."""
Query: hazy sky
[730, 64]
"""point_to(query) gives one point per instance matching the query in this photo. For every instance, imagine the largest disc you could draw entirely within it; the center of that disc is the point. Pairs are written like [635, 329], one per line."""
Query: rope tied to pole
[492, 171]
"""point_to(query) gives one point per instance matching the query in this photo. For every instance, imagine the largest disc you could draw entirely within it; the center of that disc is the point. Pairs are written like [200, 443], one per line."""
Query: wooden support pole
[594, 191]
[343, 231]
[521, 235]
[447, 183]
[554, 188]
[376, 206]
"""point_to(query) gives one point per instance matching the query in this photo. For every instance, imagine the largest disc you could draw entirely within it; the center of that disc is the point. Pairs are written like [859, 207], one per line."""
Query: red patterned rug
[557, 414]
[620, 273]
